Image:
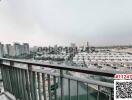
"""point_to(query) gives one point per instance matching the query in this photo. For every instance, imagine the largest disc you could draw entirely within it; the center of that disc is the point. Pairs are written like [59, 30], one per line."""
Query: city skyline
[44, 23]
[69, 45]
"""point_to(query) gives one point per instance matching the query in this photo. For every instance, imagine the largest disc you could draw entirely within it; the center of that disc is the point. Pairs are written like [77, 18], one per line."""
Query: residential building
[17, 47]
[26, 48]
[1, 50]
[11, 50]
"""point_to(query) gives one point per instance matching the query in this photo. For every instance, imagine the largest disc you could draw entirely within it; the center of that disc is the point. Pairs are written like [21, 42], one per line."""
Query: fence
[28, 80]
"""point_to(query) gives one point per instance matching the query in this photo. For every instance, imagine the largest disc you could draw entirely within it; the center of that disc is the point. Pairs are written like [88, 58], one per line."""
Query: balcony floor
[4, 97]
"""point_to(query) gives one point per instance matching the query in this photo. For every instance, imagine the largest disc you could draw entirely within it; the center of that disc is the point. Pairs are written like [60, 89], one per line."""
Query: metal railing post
[49, 86]
[15, 80]
[87, 92]
[39, 86]
[61, 83]
[8, 75]
[34, 86]
[2, 74]
[12, 78]
[98, 92]
[77, 90]
[55, 92]
[110, 96]
[44, 90]
[24, 84]
[28, 84]
[32, 94]
[69, 88]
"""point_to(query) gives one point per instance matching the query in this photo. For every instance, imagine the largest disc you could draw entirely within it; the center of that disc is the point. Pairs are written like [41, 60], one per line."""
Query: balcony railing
[28, 80]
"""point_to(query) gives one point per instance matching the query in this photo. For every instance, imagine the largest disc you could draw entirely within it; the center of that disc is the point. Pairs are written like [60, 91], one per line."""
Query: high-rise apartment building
[73, 45]
[17, 47]
[1, 50]
[7, 49]
[14, 50]
[11, 50]
[26, 48]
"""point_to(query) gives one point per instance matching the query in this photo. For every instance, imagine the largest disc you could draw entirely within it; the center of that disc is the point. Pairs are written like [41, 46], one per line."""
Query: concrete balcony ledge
[6, 96]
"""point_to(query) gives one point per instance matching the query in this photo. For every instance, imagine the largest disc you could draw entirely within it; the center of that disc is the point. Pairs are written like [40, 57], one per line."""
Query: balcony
[27, 80]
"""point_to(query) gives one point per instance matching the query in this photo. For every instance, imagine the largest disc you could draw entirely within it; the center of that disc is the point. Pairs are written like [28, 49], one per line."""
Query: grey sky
[49, 22]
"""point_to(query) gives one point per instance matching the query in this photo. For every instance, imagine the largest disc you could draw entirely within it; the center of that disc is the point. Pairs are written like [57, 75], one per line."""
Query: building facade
[1, 50]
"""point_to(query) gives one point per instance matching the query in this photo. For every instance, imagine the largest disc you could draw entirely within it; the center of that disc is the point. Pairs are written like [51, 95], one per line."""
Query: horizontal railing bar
[14, 66]
[71, 68]
[89, 81]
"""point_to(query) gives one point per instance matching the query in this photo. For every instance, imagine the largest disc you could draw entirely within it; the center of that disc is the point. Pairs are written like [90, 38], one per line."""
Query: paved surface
[3, 97]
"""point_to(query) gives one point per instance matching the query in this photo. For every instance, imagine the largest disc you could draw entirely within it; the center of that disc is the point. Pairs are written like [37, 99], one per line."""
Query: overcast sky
[49, 22]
